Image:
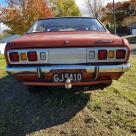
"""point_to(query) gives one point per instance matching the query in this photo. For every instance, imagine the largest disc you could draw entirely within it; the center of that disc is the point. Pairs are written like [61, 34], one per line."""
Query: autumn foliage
[123, 11]
[64, 8]
[20, 14]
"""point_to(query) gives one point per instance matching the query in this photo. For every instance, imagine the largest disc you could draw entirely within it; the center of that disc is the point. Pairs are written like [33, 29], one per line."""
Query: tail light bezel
[27, 61]
[110, 60]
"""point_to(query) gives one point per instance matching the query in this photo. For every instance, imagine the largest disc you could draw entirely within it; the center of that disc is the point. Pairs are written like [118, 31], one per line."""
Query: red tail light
[14, 56]
[120, 54]
[32, 56]
[102, 54]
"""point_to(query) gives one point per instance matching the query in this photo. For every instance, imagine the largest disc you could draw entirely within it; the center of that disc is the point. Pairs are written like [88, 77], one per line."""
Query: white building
[5, 40]
[2, 48]
[133, 28]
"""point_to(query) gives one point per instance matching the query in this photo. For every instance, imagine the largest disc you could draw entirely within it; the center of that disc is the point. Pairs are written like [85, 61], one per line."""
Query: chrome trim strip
[118, 68]
[47, 69]
[91, 69]
[114, 68]
[104, 41]
[125, 68]
[18, 70]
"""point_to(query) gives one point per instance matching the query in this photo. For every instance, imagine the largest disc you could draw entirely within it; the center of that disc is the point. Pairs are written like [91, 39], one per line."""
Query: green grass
[115, 106]
[2, 66]
[111, 111]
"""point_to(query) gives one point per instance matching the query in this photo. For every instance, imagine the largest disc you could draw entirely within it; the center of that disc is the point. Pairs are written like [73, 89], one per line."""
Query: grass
[111, 111]
[115, 106]
[2, 66]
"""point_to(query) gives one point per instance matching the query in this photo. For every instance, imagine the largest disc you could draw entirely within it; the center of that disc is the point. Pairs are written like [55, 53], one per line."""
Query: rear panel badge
[67, 42]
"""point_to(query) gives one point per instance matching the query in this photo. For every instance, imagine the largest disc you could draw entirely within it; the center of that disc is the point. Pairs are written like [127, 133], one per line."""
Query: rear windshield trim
[46, 19]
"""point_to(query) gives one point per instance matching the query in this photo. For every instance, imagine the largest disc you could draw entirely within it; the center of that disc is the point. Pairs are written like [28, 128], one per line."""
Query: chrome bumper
[46, 69]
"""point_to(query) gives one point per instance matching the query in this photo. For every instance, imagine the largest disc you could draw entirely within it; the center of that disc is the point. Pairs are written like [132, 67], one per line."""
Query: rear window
[67, 24]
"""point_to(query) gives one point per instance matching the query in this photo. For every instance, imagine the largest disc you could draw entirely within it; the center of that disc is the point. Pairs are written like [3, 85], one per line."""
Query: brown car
[68, 51]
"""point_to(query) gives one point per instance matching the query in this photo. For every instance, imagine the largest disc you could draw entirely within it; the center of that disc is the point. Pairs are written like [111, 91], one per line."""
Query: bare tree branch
[95, 7]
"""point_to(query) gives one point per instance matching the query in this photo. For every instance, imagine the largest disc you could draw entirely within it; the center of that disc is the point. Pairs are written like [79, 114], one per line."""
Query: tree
[129, 20]
[95, 7]
[123, 10]
[64, 8]
[20, 14]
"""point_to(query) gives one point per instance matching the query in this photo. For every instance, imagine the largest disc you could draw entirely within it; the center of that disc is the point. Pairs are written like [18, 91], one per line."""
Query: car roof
[66, 17]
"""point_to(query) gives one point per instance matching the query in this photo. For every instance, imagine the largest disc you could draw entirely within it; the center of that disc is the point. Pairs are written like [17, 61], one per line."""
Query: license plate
[75, 77]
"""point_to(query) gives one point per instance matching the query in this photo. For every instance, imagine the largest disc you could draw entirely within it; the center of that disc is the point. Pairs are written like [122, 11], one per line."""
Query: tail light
[23, 56]
[111, 54]
[102, 54]
[14, 56]
[32, 56]
[120, 54]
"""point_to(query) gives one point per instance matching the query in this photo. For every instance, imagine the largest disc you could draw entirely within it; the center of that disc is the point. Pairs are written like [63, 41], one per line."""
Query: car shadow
[22, 112]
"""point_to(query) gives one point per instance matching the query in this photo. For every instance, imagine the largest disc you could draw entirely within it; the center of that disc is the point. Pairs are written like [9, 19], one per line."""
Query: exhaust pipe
[68, 84]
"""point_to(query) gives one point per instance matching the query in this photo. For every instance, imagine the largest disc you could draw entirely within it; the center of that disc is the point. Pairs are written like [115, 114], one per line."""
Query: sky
[80, 3]
[2, 2]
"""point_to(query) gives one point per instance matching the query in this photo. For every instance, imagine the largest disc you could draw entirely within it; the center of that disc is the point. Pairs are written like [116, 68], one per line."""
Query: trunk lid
[66, 39]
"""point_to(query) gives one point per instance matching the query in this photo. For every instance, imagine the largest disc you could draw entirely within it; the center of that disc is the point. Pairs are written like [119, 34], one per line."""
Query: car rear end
[68, 59]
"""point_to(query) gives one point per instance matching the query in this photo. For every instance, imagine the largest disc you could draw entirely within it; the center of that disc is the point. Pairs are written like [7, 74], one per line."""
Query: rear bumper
[39, 71]
[46, 69]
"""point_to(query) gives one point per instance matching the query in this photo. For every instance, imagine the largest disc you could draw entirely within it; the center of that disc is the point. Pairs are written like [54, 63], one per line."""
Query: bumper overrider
[40, 70]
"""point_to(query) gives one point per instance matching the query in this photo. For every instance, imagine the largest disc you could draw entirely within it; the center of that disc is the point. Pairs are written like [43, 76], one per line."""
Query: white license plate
[62, 77]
